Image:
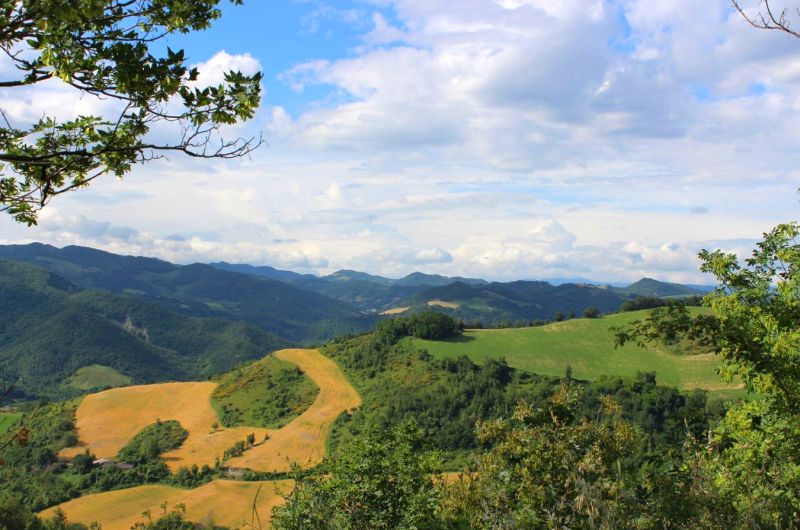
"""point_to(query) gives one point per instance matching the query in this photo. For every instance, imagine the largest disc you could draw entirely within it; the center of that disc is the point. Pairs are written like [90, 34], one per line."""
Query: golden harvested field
[395, 311]
[223, 502]
[106, 421]
[443, 303]
[303, 440]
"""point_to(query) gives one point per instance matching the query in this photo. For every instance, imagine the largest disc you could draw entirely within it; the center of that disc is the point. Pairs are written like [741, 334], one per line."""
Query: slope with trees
[51, 329]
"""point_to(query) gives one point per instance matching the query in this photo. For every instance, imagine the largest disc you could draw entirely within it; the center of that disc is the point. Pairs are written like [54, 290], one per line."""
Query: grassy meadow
[97, 376]
[7, 419]
[587, 346]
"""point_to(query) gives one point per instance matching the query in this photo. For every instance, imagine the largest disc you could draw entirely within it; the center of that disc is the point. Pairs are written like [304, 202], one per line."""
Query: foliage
[152, 441]
[591, 312]
[447, 397]
[426, 325]
[104, 49]
[174, 519]
[267, 393]
[548, 469]
[652, 302]
[751, 459]
[383, 481]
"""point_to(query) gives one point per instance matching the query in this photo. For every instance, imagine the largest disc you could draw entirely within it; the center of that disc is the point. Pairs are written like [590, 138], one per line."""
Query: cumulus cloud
[504, 139]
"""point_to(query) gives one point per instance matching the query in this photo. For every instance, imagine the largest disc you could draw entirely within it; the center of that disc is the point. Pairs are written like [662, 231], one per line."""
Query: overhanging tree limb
[101, 48]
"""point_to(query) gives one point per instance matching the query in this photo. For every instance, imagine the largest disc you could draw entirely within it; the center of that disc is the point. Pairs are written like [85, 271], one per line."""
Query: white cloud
[508, 138]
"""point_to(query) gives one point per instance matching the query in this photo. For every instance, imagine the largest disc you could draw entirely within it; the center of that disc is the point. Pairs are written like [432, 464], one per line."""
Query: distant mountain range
[305, 307]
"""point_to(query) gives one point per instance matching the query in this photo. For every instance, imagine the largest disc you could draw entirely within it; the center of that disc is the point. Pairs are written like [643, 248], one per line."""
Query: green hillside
[51, 333]
[587, 346]
[199, 290]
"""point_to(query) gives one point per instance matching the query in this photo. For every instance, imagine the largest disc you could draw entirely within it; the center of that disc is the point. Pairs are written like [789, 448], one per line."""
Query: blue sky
[608, 139]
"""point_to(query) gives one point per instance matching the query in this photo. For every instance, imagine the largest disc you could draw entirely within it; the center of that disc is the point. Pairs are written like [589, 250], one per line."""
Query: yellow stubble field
[106, 421]
[221, 502]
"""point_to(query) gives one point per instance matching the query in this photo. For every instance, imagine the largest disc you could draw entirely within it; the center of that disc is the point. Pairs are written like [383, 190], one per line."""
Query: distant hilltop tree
[103, 48]
[427, 325]
[591, 312]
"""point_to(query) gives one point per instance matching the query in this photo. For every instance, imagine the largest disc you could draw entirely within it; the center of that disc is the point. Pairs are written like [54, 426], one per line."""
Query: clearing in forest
[395, 310]
[587, 346]
[443, 303]
[221, 502]
[7, 419]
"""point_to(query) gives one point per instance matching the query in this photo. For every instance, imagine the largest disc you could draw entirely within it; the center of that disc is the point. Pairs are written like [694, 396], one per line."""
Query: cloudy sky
[503, 139]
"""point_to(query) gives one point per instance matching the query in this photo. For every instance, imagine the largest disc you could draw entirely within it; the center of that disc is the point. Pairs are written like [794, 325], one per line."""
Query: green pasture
[587, 346]
[7, 419]
[97, 376]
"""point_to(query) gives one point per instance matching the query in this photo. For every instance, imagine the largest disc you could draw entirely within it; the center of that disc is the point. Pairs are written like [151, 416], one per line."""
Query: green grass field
[7, 419]
[97, 376]
[587, 345]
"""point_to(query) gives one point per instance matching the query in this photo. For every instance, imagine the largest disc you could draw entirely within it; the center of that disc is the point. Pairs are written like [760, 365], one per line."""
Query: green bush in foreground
[383, 481]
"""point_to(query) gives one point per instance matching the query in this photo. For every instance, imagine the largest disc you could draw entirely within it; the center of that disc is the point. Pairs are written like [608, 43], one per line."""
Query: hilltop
[585, 346]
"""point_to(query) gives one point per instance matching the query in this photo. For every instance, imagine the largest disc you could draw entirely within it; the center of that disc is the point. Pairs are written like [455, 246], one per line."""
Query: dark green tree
[105, 49]
[591, 312]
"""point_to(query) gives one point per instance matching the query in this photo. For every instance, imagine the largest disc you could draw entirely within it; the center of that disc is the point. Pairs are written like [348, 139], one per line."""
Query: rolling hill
[50, 329]
[201, 290]
[587, 347]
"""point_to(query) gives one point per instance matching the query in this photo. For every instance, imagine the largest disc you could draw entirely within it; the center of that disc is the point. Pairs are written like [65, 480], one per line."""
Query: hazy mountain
[651, 287]
[264, 271]
[513, 301]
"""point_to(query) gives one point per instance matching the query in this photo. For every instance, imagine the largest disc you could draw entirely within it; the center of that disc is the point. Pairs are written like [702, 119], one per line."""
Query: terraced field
[221, 502]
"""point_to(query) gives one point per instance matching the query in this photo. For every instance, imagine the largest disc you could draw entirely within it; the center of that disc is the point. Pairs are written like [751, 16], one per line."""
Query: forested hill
[51, 329]
[201, 290]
